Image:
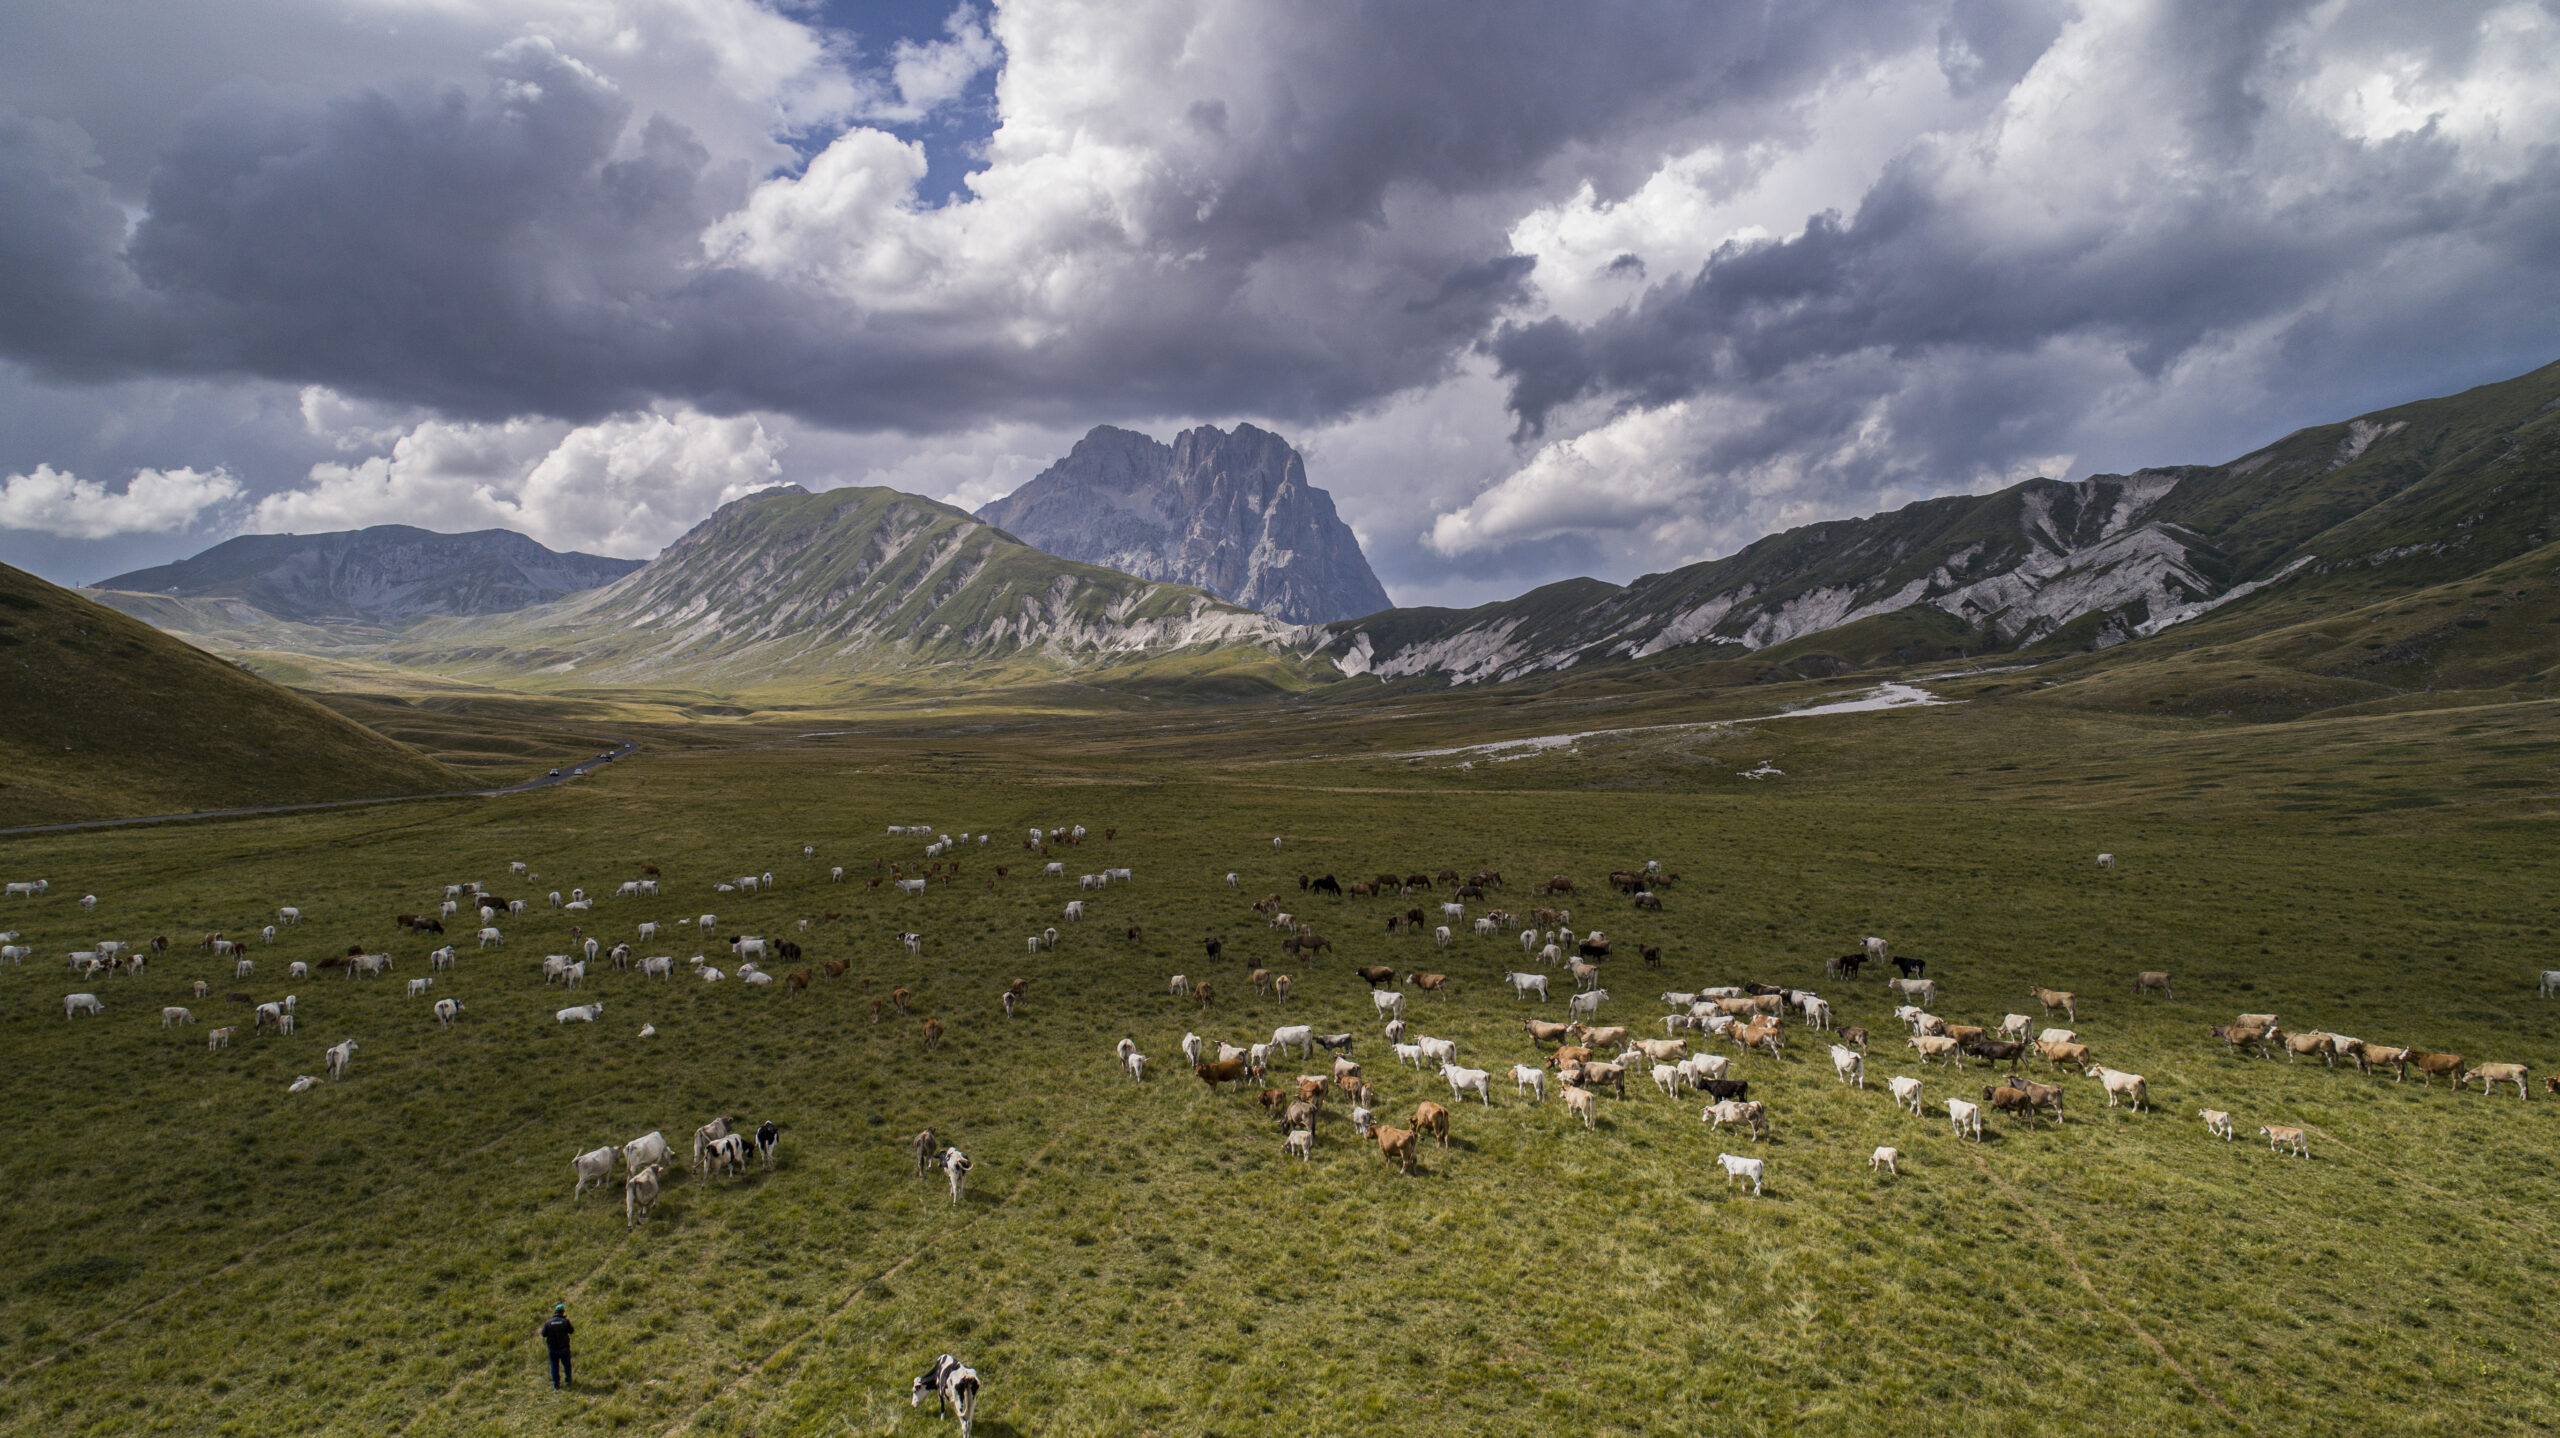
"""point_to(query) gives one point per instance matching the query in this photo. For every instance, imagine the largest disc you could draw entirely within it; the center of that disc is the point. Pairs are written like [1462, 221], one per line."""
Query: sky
[1539, 290]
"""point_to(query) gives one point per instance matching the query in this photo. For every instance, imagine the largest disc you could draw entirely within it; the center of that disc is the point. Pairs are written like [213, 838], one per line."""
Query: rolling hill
[387, 575]
[788, 587]
[103, 716]
[2408, 497]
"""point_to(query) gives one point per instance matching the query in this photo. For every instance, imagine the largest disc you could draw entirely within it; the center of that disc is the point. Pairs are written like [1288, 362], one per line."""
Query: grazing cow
[593, 1167]
[1937, 1046]
[1388, 1001]
[2152, 979]
[2056, 999]
[2281, 1139]
[447, 1010]
[1530, 1079]
[1407, 1054]
[1745, 1113]
[340, 1057]
[1430, 983]
[1966, 1117]
[932, 1035]
[954, 1386]
[2550, 982]
[1463, 1081]
[1546, 1033]
[581, 1013]
[1396, 1146]
[2216, 1122]
[2489, 1075]
[2429, 1065]
[1432, 1119]
[1737, 1167]
[220, 1038]
[639, 1195]
[170, 1016]
[1179, 986]
[1300, 1037]
[1583, 1103]
[1918, 991]
[956, 1166]
[1376, 975]
[1223, 1071]
[1887, 1159]
[1586, 1004]
[1906, 1092]
[2003, 1051]
[490, 936]
[1851, 1068]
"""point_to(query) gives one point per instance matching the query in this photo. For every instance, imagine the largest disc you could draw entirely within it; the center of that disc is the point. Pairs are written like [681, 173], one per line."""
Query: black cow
[1327, 885]
[1724, 1089]
[1911, 968]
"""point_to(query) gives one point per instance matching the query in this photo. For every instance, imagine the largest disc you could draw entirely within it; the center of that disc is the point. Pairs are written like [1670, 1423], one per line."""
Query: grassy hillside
[219, 1255]
[102, 715]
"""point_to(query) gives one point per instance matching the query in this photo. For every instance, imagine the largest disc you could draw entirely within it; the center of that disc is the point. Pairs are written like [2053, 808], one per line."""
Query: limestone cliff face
[1229, 512]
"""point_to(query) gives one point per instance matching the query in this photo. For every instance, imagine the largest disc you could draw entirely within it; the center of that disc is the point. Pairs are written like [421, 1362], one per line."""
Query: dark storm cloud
[533, 243]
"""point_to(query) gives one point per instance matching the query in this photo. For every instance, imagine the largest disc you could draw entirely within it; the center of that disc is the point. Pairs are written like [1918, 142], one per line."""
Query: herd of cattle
[1588, 1057]
[1585, 1055]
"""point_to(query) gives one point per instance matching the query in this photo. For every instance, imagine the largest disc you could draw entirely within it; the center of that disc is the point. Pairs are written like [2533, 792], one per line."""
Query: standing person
[555, 1331]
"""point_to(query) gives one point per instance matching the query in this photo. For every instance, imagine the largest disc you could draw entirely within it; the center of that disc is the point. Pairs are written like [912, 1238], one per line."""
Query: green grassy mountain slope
[2404, 498]
[789, 587]
[387, 574]
[102, 716]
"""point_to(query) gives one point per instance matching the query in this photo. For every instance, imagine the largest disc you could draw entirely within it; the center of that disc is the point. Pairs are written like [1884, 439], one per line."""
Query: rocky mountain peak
[1228, 511]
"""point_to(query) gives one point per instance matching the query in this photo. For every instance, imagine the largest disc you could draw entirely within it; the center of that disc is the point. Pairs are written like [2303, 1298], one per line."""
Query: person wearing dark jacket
[555, 1331]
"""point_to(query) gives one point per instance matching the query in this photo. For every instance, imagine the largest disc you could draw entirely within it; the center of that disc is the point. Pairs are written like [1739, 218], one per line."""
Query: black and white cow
[768, 1138]
[954, 1386]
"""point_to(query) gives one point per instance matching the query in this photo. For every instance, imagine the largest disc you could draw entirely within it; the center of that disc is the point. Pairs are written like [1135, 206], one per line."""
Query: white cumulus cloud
[154, 501]
[623, 486]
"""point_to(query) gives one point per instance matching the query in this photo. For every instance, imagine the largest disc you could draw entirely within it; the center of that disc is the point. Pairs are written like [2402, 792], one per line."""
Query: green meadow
[198, 1251]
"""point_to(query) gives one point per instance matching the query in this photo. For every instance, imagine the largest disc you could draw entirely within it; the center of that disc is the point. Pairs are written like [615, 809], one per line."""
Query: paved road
[543, 782]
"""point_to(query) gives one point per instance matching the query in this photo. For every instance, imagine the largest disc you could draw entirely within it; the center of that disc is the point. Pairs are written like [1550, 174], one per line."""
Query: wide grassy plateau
[195, 1250]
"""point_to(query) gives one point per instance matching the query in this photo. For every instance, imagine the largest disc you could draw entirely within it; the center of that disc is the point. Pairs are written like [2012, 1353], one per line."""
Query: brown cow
[2238, 1036]
[932, 1035]
[795, 982]
[1430, 983]
[1396, 1146]
[2062, 1055]
[1223, 1071]
[835, 967]
[2429, 1065]
[2153, 979]
[1432, 1119]
[2036, 1095]
[875, 1011]
[899, 997]
[2056, 999]
[1614, 1075]
[1273, 1098]
[1547, 1033]
[1260, 979]
[1378, 975]
[1569, 1054]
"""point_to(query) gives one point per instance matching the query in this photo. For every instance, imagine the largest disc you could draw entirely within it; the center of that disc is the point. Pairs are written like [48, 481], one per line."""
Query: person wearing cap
[555, 1331]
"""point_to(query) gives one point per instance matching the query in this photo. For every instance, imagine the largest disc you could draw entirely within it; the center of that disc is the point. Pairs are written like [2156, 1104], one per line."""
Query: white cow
[1179, 986]
[593, 1167]
[1439, 1051]
[1530, 1079]
[1136, 1063]
[301, 1083]
[420, 986]
[1407, 1053]
[2550, 982]
[1388, 1001]
[581, 1014]
[1737, 1167]
[639, 1195]
[2216, 1122]
[175, 1015]
[660, 965]
[1440, 936]
[1192, 1045]
[446, 1011]
[709, 922]
[1849, 1064]
[1887, 1159]
[1906, 1092]
[1301, 1037]
[2014, 1026]
[1075, 911]
[1522, 984]
[1967, 1117]
[288, 915]
[491, 936]
[82, 1004]
[341, 1056]
[956, 1166]
[2118, 1082]
[1586, 1004]
[649, 1150]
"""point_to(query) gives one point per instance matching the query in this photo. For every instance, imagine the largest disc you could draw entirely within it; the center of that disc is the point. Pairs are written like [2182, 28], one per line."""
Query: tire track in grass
[250, 1254]
[2054, 1240]
[1030, 1171]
